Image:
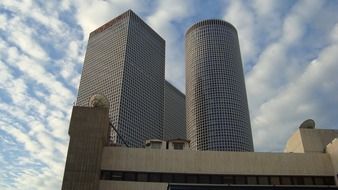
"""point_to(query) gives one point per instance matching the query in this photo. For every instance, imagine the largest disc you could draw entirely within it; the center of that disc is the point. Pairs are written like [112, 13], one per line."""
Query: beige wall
[295, 143]
[88, 133]
[310, 140]
[212, 162]
[125, 185]
[316, 139]
[332, 150]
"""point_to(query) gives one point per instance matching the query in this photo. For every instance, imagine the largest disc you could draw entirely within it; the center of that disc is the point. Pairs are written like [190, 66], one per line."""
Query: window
[274, 180]
[297, 180]
[308, 180]
[228, 180]
[106, 175]
[285, 180]
[178, 146]
[191, 178]
[319, 181]
[179, 178]
[216, 179]
[142, 177]
[240, 179]
[155, 177]
[167, 178]
[263, 180]
[329, 181]
[117, 175]
[204, 179]
[252, 180]
[129, 176]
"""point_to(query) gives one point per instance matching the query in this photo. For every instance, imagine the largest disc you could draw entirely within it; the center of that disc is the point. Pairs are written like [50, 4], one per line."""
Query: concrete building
[123, 84]
[89, 134]
[91, 161]
[174, 113]
[307, 139]
[217, 109]
[129, 71]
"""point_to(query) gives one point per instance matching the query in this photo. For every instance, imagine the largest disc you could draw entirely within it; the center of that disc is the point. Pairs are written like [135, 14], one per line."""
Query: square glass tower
[125, 63]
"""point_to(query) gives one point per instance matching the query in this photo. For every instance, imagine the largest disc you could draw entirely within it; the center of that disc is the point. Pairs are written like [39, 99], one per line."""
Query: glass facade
[174, 113]
[125, 63]
[217, 109]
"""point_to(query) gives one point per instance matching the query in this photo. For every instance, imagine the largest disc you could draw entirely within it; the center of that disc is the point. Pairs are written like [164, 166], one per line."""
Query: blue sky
[289, 51]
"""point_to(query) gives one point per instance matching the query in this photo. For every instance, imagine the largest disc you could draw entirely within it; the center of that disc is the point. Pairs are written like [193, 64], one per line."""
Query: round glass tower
[217, 108]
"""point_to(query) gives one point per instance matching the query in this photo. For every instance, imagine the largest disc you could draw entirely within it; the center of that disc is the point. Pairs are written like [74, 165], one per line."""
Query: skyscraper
[217, 108]
[124, 71]
[125, 63]
[174, 113]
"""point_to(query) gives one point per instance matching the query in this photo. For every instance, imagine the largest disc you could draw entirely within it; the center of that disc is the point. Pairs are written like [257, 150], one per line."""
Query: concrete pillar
[88, 133]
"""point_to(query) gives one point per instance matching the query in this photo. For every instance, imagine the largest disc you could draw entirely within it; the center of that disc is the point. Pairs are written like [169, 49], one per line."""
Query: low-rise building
[91, 161]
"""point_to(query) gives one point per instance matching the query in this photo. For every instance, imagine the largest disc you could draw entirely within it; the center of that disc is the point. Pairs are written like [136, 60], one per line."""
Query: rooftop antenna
[99, 100]
[118, 134]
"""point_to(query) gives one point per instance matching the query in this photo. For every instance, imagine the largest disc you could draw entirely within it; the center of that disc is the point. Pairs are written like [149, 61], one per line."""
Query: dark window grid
[217, 179]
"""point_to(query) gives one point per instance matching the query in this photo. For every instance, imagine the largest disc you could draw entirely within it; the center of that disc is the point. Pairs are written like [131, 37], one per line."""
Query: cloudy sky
[289, 51]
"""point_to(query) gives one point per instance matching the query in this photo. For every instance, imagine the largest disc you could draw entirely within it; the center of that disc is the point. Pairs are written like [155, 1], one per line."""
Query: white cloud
[3, 20]
[258, 24]
[92, 14]
[36, 94]
[294, 24]
[59, 95]
[272, 37]
[167, 15]
[24, 40]
[274, 68]
[40, 68]
[30, 145]
[280, 88]
[240, 15]
[334, 33]
[280, 116]
[264, 7]
[22, 6]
